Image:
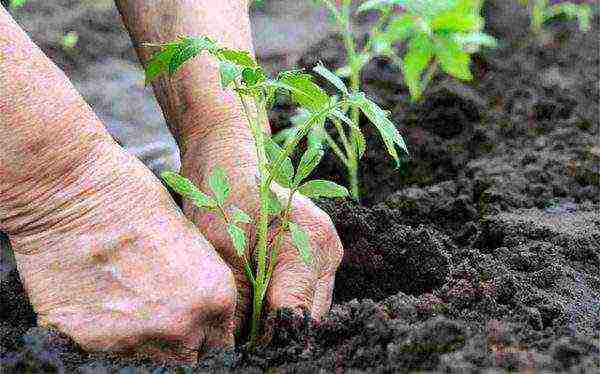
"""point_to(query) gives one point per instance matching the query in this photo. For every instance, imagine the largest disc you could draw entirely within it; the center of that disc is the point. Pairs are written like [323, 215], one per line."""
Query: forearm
[195, 106]
[42, 117]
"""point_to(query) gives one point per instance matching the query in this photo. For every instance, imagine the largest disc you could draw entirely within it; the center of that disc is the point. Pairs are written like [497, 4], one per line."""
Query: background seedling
[14, 4]
[439, 34]
[540, 12]
[240, 72]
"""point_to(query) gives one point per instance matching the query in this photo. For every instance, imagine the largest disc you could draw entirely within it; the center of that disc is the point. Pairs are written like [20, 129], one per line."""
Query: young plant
[14, 4]
[239, 72]
[540, 12]
[439, 34]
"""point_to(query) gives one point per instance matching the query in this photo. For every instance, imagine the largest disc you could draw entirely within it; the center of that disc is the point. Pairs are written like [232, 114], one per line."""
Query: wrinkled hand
[293, 284]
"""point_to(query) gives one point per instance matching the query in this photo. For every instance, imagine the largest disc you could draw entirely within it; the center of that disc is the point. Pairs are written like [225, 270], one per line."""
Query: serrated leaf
[356, 134]
[285, 173]
[331, 77]
[219, 185]
[238, 237]
[253, 76]
[159, 63]
[274, 206]
[304, 91]
[420, 52]
[240, 216]
[338, 114]
[359, 141]
[388, 131]
[187, 189]
[240, 58]
[453, 60]
[308, 162]
[228, 72]
[322, 188]
[301, 241]
[188, 48]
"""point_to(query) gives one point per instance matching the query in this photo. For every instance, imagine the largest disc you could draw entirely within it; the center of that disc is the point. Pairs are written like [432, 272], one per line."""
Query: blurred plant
[238, 70]
[14, 4]
[540, 12]
[69, 40]
[440, 34]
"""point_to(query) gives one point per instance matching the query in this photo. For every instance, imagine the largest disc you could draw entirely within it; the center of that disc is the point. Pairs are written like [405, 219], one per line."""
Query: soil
[481, 254]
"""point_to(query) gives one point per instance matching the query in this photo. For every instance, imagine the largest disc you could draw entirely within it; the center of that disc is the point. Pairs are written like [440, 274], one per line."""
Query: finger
[327, 251]
[323, 296]
[293, 282]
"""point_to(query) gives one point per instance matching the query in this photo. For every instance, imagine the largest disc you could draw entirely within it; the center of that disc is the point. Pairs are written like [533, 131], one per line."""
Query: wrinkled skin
[103, 252]
[210, 125]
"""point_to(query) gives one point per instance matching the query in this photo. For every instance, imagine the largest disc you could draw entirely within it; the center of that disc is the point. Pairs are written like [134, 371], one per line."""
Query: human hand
[294, 284]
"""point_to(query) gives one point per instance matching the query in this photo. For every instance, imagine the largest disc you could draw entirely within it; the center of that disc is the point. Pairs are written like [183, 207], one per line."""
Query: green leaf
[584, 17]
[187, 189]
[70, 39]
[380, 4]
[282, 136]
[356, 134]
[228, 72]
[359, 141]
[14, 4]
[581, 12]
[331, 77]
[159, 63]
[463, 16]
[240, 58]
[337, 114]
[322, 188]
[476, 38]
[274, 206]
[285, 173]
[219, 185]
[316, 137]
[538, 11]
[187, 49]
[301, 241]
[238, 237]
[381, 45]
[302, 115]
[344, 71]
[304, 91]
[389, 132]
[240, 216]
[420, 52]
[453, 60]
[400, 28]
[253, 76]
[309, 161]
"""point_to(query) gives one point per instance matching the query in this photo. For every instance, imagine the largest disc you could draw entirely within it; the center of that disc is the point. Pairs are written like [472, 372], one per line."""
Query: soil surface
[481, 254]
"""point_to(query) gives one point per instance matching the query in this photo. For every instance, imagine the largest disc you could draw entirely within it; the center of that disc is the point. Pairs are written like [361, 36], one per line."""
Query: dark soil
[482, 253]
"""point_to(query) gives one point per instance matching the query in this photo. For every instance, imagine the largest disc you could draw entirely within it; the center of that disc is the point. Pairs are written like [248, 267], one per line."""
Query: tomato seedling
[440, 34]
[240, 72]
[540, 12]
